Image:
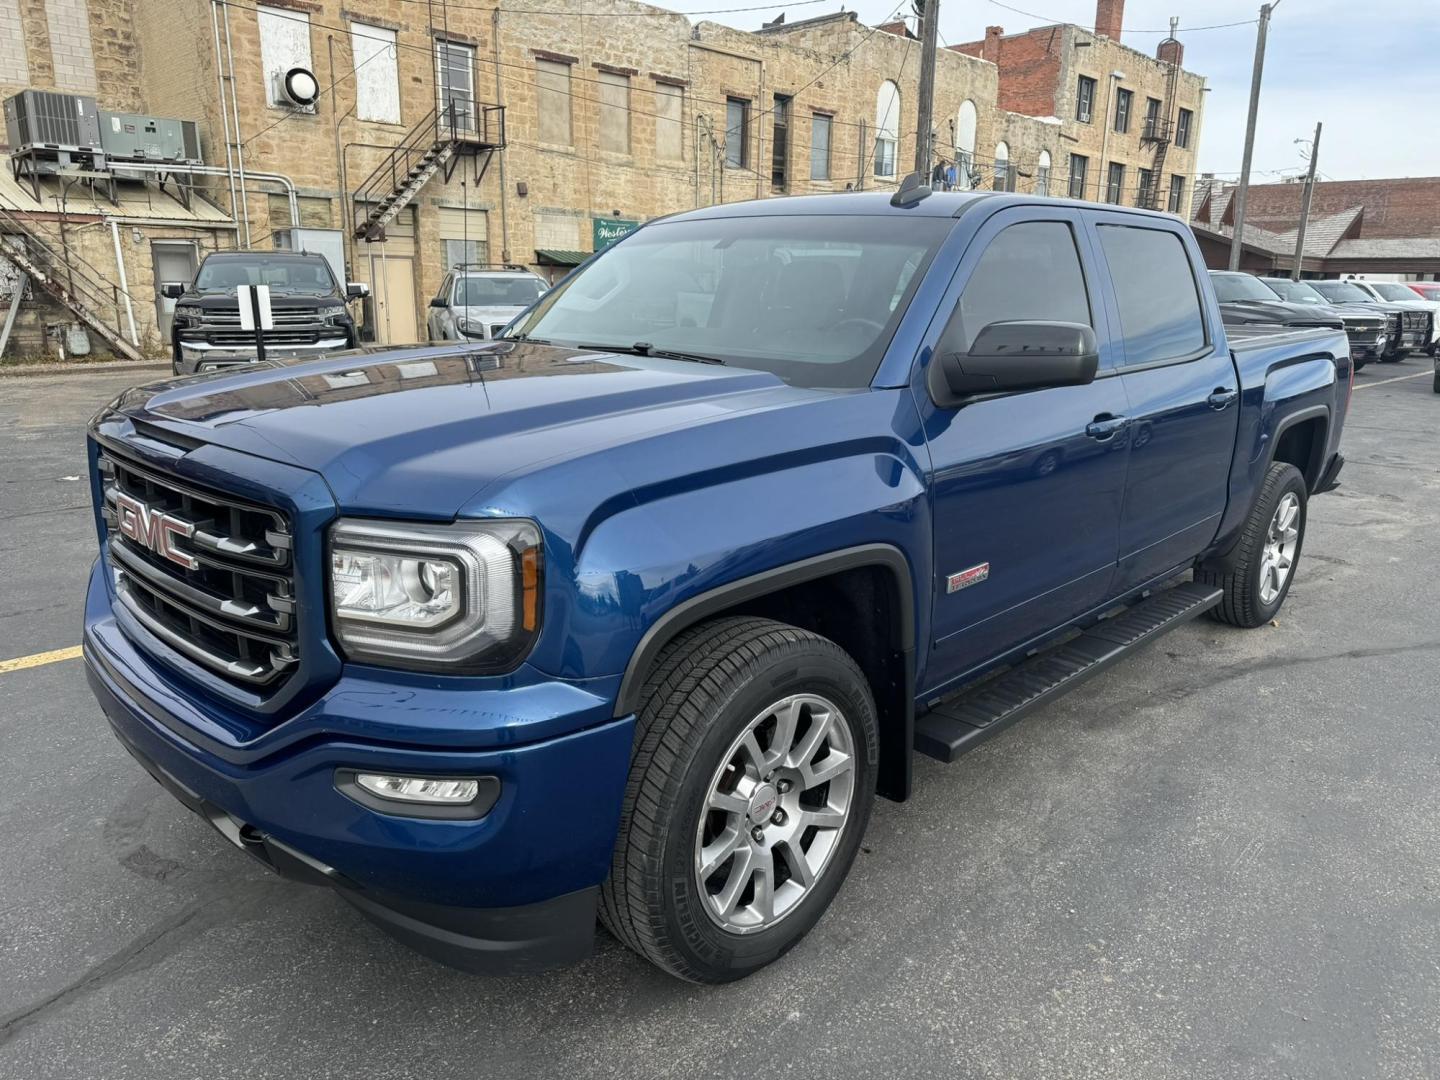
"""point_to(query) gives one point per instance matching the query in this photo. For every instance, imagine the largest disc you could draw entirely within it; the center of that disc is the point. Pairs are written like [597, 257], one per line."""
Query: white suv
[476, 302]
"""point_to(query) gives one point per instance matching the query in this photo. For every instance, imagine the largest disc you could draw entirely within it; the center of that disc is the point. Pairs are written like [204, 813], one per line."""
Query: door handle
[1221, 398]
[1105, 426]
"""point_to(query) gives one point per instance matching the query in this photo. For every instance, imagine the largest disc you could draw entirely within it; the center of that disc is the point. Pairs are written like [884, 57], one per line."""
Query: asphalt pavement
[1218, 859]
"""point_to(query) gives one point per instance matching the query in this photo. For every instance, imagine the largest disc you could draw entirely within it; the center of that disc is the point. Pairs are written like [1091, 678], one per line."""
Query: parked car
[1367, 330]
[1245, 301]
[1394, 293]
[1426, 290]
[637, 609]
[1404, 329]
[309, 306]
[476, 302]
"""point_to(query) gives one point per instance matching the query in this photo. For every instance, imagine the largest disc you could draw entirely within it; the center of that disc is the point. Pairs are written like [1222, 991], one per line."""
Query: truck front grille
[209, 575]
[278, 336]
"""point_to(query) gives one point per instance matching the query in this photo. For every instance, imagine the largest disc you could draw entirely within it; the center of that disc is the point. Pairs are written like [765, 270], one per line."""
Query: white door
[173, 260]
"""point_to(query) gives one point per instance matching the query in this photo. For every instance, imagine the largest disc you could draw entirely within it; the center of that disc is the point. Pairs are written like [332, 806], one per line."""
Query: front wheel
[1437, 378]
[1256, 576]
[751, 784]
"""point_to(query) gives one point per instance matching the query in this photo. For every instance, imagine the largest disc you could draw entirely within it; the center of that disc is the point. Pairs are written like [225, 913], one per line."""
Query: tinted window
[497, 291]
[1155, 291]
[1029, 271]
[1343, 292]
[1239, 287]
[1297, 292]
[1390, 291]
[285, 274]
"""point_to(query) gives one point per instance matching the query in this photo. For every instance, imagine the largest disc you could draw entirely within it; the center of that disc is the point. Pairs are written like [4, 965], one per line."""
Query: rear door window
[1156, 292]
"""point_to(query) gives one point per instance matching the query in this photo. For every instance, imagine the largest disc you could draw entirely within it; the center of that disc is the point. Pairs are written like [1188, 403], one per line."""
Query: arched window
[1003, 176]
[1042, 173]
[966, 121]
[887, 128]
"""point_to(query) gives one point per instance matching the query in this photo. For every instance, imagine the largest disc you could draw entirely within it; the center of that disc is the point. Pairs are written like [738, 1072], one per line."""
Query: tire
[1359, 362]
[1252, 596]
[694, 788]
[1437, 379]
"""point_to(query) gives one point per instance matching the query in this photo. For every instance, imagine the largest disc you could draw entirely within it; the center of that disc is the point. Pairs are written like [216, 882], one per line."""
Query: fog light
[420, 789]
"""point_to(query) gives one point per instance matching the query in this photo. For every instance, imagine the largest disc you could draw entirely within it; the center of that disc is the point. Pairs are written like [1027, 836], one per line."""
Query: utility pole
[1305, 206]
[929, 12]
[1235, 241]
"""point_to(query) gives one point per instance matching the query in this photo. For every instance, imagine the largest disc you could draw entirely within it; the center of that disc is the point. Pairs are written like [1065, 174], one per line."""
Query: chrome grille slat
[228, 603]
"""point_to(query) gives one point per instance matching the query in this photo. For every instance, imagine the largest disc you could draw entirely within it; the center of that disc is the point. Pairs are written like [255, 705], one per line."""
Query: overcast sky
[1368, 69]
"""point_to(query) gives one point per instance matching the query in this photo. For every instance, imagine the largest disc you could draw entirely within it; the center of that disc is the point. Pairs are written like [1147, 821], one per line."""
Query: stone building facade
[613, 115]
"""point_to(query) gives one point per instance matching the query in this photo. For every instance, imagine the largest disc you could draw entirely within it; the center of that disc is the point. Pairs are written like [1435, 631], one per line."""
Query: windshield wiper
[644, 348]
[526, 337]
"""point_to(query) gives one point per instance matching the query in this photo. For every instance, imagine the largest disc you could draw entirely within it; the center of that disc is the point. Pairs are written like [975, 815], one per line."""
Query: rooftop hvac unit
[43, 119]
[136, 137]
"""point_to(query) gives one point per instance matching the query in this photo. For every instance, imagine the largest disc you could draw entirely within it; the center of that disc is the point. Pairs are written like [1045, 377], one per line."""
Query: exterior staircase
[77, 285]
[438, 142]
[1160, 134]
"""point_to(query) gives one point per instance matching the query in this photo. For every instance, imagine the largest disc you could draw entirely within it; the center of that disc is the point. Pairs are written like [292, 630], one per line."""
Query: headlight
[461, 598]
[332, 311]
[473, 327]
[186, 317]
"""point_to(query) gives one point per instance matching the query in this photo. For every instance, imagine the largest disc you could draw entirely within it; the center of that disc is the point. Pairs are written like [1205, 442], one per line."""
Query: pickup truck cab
[308, 304]
[636, 610]
[476, 302]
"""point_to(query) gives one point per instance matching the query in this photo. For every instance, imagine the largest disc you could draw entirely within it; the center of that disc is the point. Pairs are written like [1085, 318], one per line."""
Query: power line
[1128, 30]
[617, 14]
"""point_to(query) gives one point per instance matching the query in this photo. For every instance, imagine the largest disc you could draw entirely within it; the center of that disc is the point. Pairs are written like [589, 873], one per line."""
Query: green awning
[558, 257]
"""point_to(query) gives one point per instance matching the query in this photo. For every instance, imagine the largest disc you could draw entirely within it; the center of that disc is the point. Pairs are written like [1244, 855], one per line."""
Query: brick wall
[1393, 208]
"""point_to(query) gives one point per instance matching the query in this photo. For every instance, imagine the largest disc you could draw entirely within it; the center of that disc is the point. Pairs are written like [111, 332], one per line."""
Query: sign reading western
[608, 230]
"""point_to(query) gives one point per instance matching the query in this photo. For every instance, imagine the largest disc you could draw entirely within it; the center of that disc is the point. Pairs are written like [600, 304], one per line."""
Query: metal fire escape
[441, 141]
[66, 277]
[1161, 131]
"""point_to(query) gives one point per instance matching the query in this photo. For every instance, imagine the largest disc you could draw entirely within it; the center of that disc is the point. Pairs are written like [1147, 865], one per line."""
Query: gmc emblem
[154, 529]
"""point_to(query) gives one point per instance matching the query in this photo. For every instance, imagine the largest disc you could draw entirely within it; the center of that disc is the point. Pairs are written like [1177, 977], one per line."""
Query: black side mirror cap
[1011, 357]
[172, 290]
[439, 302]
[356, 290]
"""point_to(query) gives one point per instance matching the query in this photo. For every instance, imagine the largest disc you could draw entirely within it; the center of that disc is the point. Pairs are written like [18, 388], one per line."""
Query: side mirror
[356, 290]
[1007, 357]
[439, 302]
[172, 290]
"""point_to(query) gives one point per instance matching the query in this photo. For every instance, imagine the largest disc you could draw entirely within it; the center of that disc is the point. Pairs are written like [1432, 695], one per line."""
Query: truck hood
[226, 301]
[420, 432]
[1280, 312]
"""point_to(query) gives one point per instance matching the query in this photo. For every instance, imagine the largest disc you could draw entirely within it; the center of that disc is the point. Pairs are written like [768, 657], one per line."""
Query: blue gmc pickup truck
[632, 613]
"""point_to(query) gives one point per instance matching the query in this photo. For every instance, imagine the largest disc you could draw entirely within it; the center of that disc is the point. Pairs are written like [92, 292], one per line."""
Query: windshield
[1297, 292]
[286, 274]
[1343, 291]
[497, 291]
[1390, 291]
[1239, 287]
[814, 300]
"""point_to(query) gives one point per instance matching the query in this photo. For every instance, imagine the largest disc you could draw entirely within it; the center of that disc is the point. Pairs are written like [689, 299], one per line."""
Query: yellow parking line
[54, 656]
[1397, 378]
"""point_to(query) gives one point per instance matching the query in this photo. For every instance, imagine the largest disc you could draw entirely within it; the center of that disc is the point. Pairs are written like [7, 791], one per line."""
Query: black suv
[307, 302]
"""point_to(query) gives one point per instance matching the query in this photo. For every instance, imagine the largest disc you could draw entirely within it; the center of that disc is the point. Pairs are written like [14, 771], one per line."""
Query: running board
[964, 720]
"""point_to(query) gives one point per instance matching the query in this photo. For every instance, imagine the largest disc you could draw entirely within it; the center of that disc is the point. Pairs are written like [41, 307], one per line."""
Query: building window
[1182, 128]
[464, 236]
[1123, 99]
[1115, 182]
[455, 77]
[887, 128]
[1152, 117]
[1042, 173]
[966, 120]
[284, 44]
[552, 102]
[1079, 166]
[821, 128]
[737, 133]
[1003, 178]
[669, 121]
[1177, 193]
[1145, 191]
[780, 144]
[614, 94]
[1085, 99]
[377, 83]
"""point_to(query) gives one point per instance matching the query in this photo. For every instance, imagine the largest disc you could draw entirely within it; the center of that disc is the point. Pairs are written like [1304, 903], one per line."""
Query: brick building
[612, 115]
[1389, 227]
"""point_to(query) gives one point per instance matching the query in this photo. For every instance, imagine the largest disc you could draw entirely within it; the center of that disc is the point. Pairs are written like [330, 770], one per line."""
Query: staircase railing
[453, 124]
[68, 278]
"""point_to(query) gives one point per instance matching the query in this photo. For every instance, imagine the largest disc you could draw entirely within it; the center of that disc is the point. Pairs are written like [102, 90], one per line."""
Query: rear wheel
[750, 788]
[1256, 576]
[1437, 378]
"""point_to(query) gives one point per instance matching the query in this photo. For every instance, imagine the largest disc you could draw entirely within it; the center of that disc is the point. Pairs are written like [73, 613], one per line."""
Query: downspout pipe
[500, 100]
[124, 284]
[224, 111]
[239, 137]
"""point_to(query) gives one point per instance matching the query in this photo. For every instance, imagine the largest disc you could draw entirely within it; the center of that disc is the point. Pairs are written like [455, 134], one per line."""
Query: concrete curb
[144, 367]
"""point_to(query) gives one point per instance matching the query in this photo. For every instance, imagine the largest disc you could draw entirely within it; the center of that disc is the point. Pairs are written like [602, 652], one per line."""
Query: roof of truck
[871, 203]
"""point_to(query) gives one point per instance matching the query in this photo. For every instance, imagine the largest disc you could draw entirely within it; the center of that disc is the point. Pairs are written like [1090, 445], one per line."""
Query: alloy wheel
[1281, 540]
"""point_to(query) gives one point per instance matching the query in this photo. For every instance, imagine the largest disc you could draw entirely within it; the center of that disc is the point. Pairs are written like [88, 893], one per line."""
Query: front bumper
[193, 356]
[511, 891]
